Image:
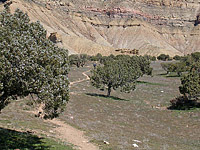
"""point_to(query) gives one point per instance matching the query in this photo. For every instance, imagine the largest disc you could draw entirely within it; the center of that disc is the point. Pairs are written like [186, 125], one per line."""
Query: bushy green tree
[191, 82]
[75, 60]
[78, 60]
[163, 57]
[121, 72]
[177, 57]
[178, 67]
[84, 58]
[153, 58]
[115, 74]
[31, 64]
[97, 57]
[196, 56]
[144, 63]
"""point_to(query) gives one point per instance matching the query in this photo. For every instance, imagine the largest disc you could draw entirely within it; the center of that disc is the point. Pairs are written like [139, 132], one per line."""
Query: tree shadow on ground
[162, 74]
[173, 76]
[180, 103]
[169, 75]
[105, 96]
[11, 139]
[149, 83]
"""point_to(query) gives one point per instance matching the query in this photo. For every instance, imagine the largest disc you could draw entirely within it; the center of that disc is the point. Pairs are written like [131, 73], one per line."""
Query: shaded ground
[19, 129]
[11, 139]
[140, 115]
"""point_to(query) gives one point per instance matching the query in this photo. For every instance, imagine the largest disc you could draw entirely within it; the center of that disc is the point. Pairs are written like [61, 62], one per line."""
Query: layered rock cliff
[102, 26]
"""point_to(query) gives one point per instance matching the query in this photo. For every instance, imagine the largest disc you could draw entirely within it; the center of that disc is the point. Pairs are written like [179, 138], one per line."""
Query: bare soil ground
[72, 135]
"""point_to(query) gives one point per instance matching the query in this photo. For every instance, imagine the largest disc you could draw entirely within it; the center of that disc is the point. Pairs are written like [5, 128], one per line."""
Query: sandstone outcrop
[150, 26]
[55, 37]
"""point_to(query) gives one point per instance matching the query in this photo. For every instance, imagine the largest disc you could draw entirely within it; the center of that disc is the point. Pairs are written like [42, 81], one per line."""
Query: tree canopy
[191, 82]
[31, 64]
[163, 57]
[121, 72]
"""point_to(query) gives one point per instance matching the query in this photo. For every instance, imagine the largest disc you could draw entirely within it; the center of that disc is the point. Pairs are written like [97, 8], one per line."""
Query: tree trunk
[109, 91]
[3, 102]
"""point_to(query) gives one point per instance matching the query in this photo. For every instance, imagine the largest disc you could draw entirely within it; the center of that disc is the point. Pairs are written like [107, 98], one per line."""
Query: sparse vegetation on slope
[142, 114]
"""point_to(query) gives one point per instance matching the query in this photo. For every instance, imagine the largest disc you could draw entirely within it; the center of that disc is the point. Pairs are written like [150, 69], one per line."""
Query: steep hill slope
[102, 26]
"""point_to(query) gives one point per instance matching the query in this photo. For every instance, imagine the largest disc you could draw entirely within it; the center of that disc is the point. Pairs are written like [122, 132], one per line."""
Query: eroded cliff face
[102, 26]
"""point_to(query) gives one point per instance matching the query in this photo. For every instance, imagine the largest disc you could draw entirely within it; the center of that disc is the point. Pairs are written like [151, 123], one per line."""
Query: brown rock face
[94, 26]
[55, 37]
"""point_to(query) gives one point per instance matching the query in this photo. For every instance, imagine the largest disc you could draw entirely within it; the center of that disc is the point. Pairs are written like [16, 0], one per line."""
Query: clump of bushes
[190, 83]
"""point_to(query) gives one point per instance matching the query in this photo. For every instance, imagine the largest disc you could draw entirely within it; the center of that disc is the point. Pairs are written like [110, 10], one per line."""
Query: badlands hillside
[104, 26]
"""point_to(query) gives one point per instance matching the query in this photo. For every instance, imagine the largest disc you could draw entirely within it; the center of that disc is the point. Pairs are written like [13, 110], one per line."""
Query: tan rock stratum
[103, 26]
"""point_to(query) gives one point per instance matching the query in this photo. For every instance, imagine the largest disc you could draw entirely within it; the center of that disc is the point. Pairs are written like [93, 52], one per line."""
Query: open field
[140, 117]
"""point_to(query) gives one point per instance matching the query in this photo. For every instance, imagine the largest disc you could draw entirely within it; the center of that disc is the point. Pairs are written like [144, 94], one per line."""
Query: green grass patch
[11, 139]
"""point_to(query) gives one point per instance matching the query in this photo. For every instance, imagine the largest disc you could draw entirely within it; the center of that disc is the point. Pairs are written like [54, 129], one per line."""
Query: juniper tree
[121, 72]
[191, 82]
[163, 57]
[31, 64]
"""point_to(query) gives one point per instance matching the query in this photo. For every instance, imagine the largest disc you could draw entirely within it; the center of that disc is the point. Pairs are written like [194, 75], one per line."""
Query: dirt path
[68, 133]
[87, 78]
[72, 135]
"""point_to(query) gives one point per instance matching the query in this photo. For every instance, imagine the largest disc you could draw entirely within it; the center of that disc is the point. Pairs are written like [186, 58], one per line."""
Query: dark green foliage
[104, 59]
[78, 60]
[190, 87]
[163, 57]
[196, 56]
[177, 57]
[84, 58]
[144, 63]
[167, 67]
[31, 64]
[153, 58]
[96, 57]
[178, 67]
[121, 71]
[74, 60]
[191, 82]
[149, 57]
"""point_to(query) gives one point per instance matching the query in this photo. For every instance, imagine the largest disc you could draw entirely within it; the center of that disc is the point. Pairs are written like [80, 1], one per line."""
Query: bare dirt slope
[153, 27]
